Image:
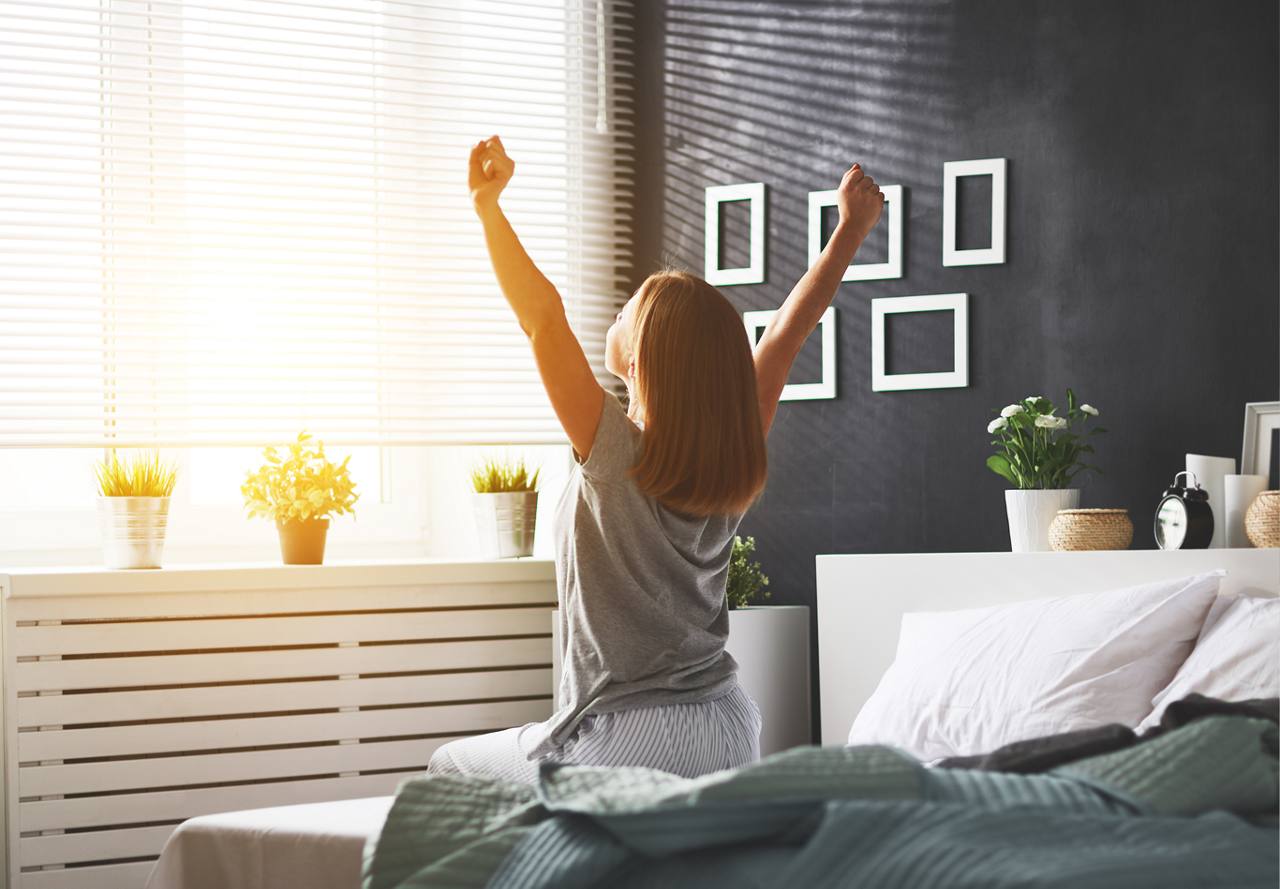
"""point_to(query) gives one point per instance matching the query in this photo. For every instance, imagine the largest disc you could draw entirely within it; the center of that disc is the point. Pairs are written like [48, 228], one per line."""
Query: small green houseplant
[1040, 453]
[747, 581]
[134, 505]
[505, 506]
[1038, 449]
[501, 477]
[300, 490]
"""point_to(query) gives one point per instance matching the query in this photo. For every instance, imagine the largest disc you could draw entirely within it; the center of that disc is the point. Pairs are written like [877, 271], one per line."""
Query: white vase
[771, 645]
[1031, 512]
[1211, 473]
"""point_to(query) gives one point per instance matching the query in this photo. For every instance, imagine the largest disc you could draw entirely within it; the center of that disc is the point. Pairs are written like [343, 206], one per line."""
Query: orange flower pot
[302, 542]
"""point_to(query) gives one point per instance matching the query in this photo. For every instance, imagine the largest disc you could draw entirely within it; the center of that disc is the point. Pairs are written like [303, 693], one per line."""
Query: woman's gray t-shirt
[643, 617]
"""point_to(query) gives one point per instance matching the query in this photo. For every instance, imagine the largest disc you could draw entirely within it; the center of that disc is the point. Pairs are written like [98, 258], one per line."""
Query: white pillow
[1235, 658]
[966, 682]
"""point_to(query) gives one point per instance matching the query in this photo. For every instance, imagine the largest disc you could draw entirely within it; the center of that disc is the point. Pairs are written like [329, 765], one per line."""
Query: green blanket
[1180, 810]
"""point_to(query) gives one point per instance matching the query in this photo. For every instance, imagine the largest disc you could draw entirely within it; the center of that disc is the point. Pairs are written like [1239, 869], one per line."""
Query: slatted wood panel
[127, 712]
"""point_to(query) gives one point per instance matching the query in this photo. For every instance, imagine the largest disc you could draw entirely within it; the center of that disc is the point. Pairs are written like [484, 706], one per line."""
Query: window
[230, 220]
[226, 221]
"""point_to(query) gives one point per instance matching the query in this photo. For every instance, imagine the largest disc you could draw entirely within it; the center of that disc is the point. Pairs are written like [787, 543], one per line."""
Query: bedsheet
[1192, 808]
[309, 846]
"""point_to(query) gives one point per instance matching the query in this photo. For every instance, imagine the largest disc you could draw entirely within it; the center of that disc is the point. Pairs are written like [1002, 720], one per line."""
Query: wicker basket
[1262, 521]
[1081, 529]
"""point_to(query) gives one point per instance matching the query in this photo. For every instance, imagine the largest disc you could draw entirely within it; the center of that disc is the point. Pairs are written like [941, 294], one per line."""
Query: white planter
[771, 645]
[133, 530]
[1032, 511]
[506, 523]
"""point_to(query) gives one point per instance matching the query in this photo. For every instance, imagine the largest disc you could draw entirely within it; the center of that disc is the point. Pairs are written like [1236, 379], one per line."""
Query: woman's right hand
[489, 171]
[860, 201]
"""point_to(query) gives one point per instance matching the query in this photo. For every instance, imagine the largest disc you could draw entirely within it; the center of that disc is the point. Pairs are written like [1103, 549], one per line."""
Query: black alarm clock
[1184, 519]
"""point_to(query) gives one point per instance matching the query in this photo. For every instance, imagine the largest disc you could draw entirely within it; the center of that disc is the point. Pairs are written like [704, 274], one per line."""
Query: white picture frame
[715, 196]
[871, 271]
[824, 388]
[1261, 418]
[995, 167]
[956, 378]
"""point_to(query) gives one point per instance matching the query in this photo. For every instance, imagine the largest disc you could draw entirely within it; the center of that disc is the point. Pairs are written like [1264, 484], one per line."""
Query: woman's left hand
[490, 171]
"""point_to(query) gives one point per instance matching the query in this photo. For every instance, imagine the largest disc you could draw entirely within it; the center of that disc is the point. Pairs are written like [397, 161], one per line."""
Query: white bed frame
[861, 600]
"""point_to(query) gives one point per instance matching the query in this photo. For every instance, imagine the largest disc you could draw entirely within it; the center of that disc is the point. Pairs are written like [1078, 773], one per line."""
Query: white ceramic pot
[771, 645]
[506, 523]
[133, 530]
[1031, 512]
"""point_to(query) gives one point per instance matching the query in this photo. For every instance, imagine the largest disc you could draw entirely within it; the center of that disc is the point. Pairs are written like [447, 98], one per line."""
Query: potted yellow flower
[300, 491]
[134, 505]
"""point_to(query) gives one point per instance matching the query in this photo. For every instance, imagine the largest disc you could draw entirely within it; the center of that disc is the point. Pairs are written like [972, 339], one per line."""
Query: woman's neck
[635, 410]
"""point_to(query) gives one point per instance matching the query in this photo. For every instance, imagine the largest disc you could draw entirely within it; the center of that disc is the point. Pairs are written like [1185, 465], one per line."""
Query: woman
[645, 527]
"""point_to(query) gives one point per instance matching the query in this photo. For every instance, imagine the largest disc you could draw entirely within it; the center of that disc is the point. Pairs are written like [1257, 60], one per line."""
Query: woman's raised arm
[566, 374]
[860, 203]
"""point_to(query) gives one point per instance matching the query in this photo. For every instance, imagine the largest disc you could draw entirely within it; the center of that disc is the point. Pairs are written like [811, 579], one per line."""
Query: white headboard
[861, 600]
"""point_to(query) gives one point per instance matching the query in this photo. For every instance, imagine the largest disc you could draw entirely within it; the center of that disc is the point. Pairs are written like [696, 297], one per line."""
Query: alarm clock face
[1171, 523]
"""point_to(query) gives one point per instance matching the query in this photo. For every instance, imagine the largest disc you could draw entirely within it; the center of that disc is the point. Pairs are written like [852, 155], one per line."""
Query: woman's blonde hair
[703, 448]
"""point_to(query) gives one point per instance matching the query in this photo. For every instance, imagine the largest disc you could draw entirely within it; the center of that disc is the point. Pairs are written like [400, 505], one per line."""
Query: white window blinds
[222, 222]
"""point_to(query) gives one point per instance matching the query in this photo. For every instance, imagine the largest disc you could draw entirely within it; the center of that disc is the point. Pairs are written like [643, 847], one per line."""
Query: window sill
[260, 576]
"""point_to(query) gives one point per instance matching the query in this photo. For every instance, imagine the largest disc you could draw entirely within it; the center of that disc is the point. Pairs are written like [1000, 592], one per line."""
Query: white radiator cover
[133, 700]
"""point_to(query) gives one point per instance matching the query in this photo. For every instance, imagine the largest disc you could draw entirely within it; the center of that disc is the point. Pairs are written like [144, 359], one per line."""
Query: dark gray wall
[1142, 246]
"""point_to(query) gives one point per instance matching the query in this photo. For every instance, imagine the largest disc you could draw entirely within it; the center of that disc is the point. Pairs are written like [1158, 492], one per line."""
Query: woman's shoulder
[616, 444]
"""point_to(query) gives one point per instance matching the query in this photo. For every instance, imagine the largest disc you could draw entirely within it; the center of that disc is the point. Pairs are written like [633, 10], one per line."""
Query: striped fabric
[684, 739]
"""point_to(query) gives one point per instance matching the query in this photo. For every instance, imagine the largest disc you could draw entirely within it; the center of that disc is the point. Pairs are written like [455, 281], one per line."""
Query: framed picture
[871, 271]
[824, 388]
[995, 167]
[957, 377]
[1261, 453]
[753, 273]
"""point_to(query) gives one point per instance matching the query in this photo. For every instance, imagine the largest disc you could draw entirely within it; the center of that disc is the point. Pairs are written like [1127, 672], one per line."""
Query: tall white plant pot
[1032, 511]
[771, 645]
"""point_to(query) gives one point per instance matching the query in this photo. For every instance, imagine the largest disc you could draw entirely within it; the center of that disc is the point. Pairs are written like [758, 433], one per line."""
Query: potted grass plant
[300, 490]
[133, 503]
[506, 507]
[1040, 454]
[771, 645]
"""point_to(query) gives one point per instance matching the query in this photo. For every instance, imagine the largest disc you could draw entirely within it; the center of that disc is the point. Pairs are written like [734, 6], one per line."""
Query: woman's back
[643, 617]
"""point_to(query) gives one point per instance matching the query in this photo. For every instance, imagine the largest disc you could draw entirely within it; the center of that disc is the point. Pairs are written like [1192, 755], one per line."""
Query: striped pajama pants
[685, 739]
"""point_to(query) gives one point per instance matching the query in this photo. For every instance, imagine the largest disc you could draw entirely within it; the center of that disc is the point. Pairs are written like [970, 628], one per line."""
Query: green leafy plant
[494, 476]
[1035, 448]
[143, 476]
[299, 486]
[746, 581]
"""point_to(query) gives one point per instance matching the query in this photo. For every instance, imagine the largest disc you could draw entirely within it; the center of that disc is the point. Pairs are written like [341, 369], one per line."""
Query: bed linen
[1042, 754]
[973, 680]
[1192, 807]
[310, 846]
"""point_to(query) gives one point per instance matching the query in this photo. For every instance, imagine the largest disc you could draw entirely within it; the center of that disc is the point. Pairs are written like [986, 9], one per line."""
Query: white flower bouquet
[1038, 449]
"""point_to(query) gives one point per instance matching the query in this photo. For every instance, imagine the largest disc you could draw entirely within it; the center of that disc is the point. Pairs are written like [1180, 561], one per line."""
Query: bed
[861, 603]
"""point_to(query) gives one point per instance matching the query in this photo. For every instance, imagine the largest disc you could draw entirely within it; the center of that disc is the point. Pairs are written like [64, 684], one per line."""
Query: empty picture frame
[717, 195]
[826, 387]
[1261, 425]
[953, 170]
[957, 377]
[871, 271]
